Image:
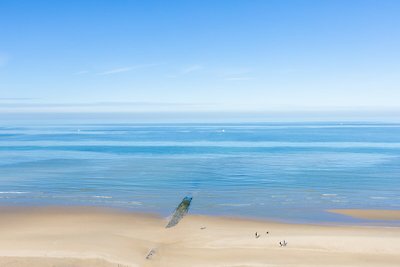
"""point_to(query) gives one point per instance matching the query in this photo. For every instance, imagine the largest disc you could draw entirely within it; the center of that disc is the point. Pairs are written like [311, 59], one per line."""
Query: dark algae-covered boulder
[180, 211]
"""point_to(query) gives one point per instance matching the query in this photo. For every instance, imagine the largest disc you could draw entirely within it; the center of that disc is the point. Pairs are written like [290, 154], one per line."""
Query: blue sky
[197, 56]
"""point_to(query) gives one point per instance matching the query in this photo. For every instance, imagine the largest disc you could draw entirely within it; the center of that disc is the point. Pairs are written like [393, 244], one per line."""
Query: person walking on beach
[283, 243]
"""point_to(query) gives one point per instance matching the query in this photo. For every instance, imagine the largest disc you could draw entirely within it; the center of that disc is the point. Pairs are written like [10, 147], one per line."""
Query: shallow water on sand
[291, 172]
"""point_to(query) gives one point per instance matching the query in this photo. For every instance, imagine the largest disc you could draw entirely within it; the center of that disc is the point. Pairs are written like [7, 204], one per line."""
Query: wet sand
[80, 236]
[386, 215]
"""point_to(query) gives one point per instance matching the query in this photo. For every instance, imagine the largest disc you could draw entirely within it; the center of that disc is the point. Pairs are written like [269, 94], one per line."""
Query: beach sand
[101, 237]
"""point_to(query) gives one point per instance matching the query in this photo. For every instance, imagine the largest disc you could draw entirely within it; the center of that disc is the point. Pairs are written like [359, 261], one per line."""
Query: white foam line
[13, 192]
[378, 197]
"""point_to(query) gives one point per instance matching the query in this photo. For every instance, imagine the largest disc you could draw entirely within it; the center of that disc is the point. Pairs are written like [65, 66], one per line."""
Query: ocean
[290, 172]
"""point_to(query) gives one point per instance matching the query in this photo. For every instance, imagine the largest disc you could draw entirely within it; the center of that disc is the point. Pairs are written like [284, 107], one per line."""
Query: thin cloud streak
[239, 78]
[18, 107]
[99, 104]
[16, 98]
[191, 69]
[185, 71]
[81, 72]
[238, 74]
[114, 71]
[232, 72]
[126, 69]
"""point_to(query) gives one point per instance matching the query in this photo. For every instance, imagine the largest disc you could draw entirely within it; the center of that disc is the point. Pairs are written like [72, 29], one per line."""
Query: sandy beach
[81, 236]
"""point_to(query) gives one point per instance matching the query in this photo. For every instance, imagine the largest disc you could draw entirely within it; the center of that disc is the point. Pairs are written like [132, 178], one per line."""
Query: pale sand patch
[388, 215]
[41, 237]
[52, 262]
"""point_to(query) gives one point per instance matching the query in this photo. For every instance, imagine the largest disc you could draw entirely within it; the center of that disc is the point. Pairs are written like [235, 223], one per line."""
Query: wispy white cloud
[118, 106]
[227, 74]
[186, 70]
[16, 103]
[238, 78]
[126, 69]
[233, 72]
[238, 74]
[81, 72]
[114, 71]
[16, 98]
[190, 69]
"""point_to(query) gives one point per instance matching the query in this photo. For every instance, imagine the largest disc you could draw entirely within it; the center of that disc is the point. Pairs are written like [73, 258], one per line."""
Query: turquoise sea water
[290, 172]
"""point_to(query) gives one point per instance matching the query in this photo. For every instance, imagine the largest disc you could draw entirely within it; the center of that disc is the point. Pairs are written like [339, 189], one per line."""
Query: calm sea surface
[289, 172]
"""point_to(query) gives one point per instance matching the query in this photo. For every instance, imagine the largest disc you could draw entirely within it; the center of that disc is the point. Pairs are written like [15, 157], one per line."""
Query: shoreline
[346, 217]
[369, 214]
[92, 236]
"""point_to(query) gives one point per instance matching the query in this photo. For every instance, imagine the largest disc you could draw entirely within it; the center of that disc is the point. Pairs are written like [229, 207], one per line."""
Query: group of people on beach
[281, 243]
[257, 235]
